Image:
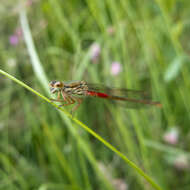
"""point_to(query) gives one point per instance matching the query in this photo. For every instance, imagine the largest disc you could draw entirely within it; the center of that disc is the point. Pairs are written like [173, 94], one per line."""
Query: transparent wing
[123, 97]
[121, 92]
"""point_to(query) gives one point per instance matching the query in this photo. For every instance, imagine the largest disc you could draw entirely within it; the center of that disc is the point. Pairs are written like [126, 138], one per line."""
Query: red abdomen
[98, 94]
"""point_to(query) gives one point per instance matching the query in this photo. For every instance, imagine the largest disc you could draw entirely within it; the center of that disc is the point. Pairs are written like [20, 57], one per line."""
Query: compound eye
[58, 84]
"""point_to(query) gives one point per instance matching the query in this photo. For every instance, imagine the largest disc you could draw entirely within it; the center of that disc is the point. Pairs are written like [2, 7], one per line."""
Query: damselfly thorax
[77, 88]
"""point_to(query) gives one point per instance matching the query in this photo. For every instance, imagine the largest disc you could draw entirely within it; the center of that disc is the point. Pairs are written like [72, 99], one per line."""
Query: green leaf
[174, 68]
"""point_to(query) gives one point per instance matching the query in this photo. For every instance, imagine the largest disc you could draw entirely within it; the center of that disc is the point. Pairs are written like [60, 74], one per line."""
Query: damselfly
[74, 92]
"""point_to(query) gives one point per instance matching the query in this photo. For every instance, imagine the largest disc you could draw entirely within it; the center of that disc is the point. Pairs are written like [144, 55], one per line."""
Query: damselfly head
[55, 86]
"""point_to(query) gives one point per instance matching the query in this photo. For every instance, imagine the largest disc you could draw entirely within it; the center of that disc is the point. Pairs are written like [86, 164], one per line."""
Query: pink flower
[95, 52]
[171, 136]
[16, 37]
[115, 68]
[13, 39]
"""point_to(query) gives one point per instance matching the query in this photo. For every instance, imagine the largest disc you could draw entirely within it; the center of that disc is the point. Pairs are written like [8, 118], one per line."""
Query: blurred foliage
[42, 149]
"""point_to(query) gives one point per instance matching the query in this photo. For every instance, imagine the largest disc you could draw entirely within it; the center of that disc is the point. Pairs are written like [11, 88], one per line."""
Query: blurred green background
[135, 44]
